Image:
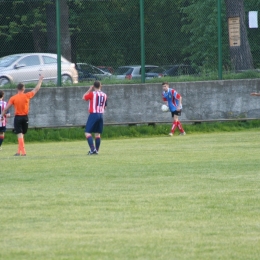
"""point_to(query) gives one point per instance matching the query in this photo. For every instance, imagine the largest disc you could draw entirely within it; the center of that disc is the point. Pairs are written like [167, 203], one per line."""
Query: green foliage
[200, 22]
[108, 32]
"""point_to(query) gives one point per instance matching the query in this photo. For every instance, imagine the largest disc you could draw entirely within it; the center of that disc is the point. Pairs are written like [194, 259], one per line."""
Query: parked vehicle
[90, 72]
[26, 67]
[107, 69]
[170, 70]
[132, 72]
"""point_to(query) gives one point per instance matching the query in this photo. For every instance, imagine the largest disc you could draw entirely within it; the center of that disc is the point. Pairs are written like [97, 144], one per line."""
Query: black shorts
[177, 113]
[2, 129]
[21, 124]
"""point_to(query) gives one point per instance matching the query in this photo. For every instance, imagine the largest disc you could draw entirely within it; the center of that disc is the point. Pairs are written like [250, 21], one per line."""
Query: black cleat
[94, 152]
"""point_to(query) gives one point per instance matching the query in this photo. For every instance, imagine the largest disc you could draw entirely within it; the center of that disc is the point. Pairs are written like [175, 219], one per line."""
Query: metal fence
[109, 33]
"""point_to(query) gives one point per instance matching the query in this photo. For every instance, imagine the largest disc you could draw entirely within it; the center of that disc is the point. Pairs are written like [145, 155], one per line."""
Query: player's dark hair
[1, 93]
[97, 84]
[20, 86]
[165, 83]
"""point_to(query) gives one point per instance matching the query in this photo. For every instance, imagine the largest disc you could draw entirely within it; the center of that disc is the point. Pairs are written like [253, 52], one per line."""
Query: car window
[49, 60]
[30, 61]
[83, 67]
[185, 70]
[173, 71]
[97, 71]
[124, 71]
[157, 70]
[148, 69]
[8, 60]
[88, 68]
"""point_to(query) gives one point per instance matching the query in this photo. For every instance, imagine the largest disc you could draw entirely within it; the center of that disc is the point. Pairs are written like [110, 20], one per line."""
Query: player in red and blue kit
[97, 103]
[3, 121]
[174, 102]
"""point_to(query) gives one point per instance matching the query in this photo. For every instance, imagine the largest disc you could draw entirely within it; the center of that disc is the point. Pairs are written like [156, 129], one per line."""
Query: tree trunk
[38, 39]
[51, 27]
[64, 29]
[241, 57]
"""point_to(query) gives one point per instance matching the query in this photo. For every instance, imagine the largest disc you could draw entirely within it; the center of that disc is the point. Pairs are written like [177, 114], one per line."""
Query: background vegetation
[108, 32]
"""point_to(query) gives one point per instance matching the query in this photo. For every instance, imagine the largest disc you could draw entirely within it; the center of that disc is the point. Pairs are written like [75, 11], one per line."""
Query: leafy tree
[65, 39]
[241, 57]
[200, 23]
[25, 28]
[164, 40]
[108, 32]
[201, 19]
[18, 28]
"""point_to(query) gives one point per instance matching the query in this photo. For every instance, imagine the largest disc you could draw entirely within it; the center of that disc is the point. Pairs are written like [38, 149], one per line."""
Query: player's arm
[179, 98]
[5, 112]
[255, 94]
[89, 90]
[38, 86]
[164, 96]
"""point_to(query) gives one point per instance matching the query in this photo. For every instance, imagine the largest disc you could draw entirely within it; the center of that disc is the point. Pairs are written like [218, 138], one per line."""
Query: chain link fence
[106, 33]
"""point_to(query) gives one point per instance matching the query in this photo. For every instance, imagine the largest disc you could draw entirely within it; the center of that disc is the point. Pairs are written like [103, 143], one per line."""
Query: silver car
[26, 68]
[87, 71]
[132, 72]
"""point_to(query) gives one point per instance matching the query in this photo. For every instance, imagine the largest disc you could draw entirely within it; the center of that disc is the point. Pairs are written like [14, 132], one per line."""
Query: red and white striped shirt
[97, 101]
[2, 107]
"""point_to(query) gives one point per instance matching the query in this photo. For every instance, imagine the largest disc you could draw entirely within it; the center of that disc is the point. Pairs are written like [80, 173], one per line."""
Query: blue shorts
[2, 129]
[94, 123]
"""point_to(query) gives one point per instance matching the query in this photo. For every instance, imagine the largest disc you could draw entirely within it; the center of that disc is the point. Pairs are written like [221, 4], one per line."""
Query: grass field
[191, 197]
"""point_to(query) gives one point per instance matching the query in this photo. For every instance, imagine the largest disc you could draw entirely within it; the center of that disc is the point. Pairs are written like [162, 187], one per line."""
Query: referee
[21, 103]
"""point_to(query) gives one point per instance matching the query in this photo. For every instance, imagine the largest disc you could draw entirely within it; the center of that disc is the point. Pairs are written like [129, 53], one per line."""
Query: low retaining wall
[207, 100]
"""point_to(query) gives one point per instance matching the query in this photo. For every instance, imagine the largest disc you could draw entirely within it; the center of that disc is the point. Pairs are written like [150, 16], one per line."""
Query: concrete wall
[141, 103]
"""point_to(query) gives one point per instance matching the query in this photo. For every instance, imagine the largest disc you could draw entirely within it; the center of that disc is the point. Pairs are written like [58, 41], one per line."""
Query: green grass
[191, 197]
[112, 132]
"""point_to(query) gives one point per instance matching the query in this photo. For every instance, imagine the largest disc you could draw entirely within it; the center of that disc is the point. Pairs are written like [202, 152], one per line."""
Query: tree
[201, 24]
[241, 57]
[65, 39]
[31, 26]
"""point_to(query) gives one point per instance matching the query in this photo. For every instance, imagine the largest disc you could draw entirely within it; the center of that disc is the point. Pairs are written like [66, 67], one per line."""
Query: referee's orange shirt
[21, 103]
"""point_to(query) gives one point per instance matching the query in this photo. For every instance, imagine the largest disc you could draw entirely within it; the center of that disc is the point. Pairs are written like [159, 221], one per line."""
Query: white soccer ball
[164, 108]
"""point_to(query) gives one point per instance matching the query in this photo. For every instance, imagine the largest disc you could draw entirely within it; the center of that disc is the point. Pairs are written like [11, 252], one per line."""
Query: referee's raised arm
[38, 86]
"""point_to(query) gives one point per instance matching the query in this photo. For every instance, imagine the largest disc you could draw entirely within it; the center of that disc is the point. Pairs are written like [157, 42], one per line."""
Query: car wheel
[66, 79]
[4, 81]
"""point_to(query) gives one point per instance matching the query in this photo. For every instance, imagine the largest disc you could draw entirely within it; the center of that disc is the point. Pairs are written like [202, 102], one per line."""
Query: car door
[27, 69]
[50, 67]
[136, 74]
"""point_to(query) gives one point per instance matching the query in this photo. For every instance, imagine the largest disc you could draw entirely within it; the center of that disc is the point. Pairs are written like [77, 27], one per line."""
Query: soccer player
[21, 103]
[3, 121]
[174, 102]
[97, 103]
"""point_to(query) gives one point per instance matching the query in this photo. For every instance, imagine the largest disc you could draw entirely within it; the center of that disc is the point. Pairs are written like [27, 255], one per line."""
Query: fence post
[142, 41]
[219, 42]
[58, 43]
